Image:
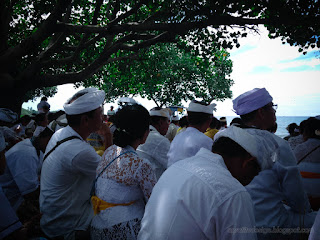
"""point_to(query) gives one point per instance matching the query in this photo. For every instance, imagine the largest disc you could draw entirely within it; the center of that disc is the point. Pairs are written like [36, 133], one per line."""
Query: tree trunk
[10, 95]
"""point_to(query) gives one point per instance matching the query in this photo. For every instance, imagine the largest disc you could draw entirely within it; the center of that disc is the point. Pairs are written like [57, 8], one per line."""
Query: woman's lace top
[128, 179]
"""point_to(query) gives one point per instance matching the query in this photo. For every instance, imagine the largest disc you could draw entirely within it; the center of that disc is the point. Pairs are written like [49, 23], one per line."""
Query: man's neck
[201, 128]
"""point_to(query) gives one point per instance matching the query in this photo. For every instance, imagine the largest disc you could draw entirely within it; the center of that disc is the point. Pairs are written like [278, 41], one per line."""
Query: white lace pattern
[128, 179]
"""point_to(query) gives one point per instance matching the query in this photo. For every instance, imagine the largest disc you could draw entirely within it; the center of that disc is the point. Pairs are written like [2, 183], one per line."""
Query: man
[21, 177]
[9, 222]
[173, 128]
[189, 142]
[280, 178]
[201, 197]
[156, 147]
[43, 106]
[68, 170]
[224, 124]
[111, 112]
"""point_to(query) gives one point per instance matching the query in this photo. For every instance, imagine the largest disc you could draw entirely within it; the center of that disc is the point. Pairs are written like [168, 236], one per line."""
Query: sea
[282, 121]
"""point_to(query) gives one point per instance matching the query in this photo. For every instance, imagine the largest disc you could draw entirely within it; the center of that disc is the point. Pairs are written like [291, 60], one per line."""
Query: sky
[292, 79]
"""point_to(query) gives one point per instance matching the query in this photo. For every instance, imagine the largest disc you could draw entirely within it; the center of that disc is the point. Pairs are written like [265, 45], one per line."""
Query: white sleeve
[234, 219]
[24, 170]
[86, 161]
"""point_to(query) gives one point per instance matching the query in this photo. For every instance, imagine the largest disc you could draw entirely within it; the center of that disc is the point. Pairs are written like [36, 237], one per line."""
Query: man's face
[163, 126]
[244, 169]
[269, 116]
[97, 119]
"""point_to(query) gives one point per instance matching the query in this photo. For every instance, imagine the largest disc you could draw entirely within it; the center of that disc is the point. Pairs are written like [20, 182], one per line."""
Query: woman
[308, 157]
[124, 186]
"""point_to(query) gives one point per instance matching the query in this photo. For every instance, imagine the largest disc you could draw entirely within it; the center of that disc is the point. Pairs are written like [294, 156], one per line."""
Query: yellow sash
[310, 175]
[98, 204]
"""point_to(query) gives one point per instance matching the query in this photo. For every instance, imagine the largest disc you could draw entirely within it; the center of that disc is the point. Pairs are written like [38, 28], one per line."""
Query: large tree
[53, 42]
[167, 74]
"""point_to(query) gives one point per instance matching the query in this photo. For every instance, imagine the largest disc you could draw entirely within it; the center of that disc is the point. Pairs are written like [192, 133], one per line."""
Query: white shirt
[315, 230]
[155, 150]
[66, 180]
[172, 131]
[198, 198]
[270, 188]
[21, 173]
[9, 222]
[306, 147]
[187, 144]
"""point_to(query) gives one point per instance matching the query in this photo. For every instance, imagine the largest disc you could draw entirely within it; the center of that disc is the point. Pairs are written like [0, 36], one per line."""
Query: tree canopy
[53, 42]
[167, 74]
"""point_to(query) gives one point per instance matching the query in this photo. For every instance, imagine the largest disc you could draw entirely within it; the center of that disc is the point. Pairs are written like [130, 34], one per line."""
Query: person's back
[156, 147]
[21, 174]
[206, 202]
[188, 143]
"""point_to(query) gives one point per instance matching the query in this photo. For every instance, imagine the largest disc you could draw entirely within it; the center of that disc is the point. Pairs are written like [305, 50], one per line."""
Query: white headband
[91, 100]
[251, 100]
[163, 112]
[196, 107]
[258, 143]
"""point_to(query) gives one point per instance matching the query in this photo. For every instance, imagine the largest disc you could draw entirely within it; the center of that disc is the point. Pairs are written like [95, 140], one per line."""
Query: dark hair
[236, 120]
[131, 121]
[47, 132]
[40, 117]
[302, 126]
[198, 118]
[214, 123]
[311, 126]
[291, 127]
[225, 146]
[44, 99]
[249, 116]
[75, 120]
[183, 122]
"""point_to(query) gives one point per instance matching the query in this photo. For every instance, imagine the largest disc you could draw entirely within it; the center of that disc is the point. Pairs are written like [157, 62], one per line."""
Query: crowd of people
[139, 174]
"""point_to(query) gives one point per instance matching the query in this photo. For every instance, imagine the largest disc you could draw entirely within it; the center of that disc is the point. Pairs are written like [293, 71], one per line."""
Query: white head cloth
[163, 112]
[251, 100]
[90, 100]
[197, 107]
[6, 115]
[258, 143]
[2, 142]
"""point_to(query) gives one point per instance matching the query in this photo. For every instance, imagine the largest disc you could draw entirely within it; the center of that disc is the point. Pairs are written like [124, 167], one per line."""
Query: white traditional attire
[128, 182]
[66, 180]
[279, 179]
[295, 141]
[9, 221]
[309, 153]
[315, 230]
[172, 131]
[198, 198]
[155, 150]
[306, 147]
[187, 144]
[68, 173]
[21, 174]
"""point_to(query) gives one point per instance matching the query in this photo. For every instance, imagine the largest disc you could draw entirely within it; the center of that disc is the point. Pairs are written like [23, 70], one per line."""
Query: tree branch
[44, 31]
